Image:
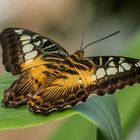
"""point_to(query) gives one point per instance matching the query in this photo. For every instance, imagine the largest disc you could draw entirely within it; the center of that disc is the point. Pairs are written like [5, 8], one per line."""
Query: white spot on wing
[27, 48]
[35, 36]
[80, 81]
[121, 69]
[121, 60]
[67, 106]
[94, 78]
[111, 71]
[53, 109]
[25, 37]
[50, 45]
[110, 59]
[112, 64]
[100, 60]
[19, 31]
[100, 73]
[126, 66]
[29, 61]
[30, 55]
[79, 103]
[37, 43]
[38, 111]
[25, 42]
[45, 40]
[138, 64]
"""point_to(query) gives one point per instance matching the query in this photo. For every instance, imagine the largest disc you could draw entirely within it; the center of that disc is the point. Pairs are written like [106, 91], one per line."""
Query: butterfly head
[79, 54]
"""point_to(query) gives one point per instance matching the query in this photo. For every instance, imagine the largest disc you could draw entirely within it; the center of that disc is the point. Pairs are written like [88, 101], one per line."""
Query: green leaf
[21, 117]
[104, 113]
[128, 101]
[76, 128]
[100, 111]
[129, 98]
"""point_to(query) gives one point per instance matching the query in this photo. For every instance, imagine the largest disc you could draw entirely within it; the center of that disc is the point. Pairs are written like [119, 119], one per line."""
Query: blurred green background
[64, 21]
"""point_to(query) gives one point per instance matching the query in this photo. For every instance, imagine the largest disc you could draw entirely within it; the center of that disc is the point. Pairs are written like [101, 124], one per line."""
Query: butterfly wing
[25, 86]
[91, 76]
[63, 92]
[32, 56]
[113, 73]
[23, 49]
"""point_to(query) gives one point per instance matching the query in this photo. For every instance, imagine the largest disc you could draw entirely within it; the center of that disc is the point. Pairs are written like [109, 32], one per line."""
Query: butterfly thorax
[74, 58]
[84, 68]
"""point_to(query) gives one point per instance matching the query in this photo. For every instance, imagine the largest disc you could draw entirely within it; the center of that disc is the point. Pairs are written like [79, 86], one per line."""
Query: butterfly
[52, 80]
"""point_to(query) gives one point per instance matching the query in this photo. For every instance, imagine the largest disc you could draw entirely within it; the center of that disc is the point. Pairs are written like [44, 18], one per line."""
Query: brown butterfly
[50, 79]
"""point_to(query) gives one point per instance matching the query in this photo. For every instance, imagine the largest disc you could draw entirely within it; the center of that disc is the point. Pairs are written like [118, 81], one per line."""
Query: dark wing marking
[63, 92]
[21, 47]
[25, 86]
[20, 91]
[113, 73]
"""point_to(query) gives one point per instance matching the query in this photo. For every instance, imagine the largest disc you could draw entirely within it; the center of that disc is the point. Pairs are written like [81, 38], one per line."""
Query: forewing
[23, 49]
[113, 73]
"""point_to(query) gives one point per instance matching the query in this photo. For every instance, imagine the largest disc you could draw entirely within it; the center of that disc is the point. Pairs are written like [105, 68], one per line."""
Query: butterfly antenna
[0, 37]
[82, 40]
[100, 39]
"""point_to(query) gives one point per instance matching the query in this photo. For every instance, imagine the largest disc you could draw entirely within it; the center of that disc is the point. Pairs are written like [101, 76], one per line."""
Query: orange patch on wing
[32, 63]
[38, 74]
